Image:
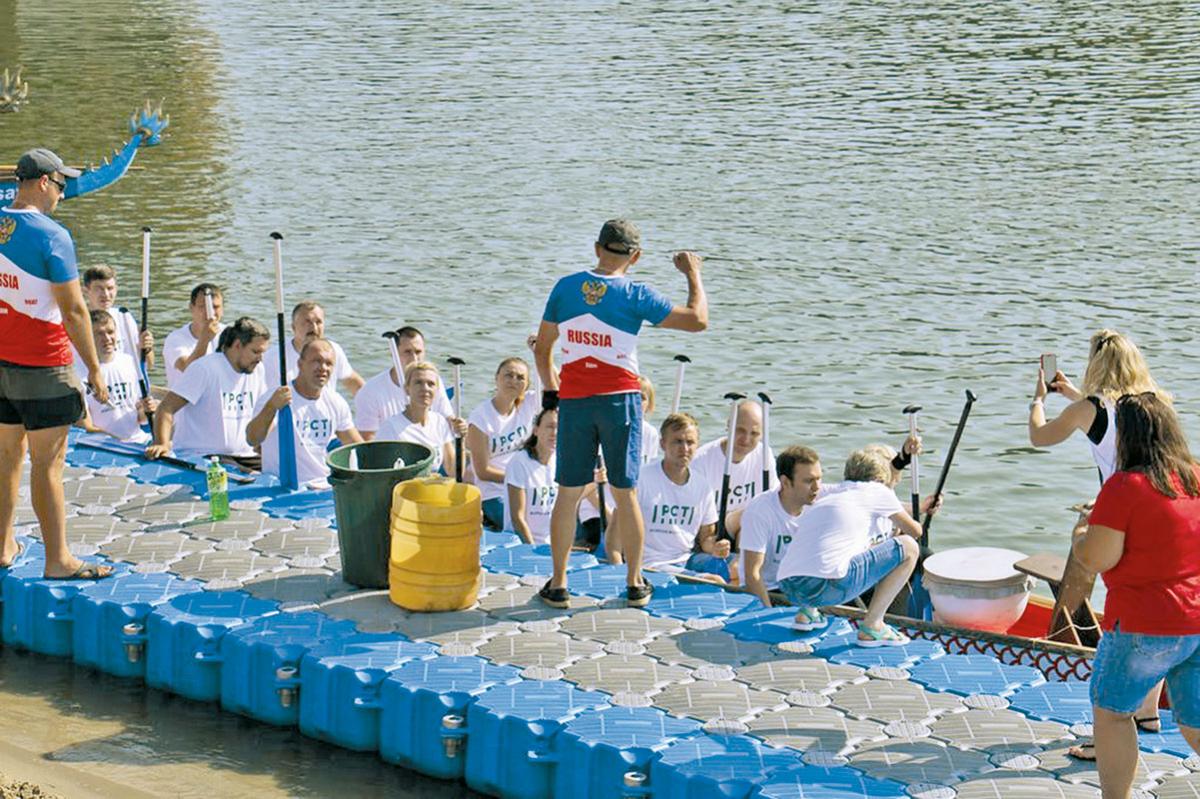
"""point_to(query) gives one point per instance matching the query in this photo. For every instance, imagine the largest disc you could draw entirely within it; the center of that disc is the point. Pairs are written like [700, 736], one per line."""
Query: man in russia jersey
[595, 317]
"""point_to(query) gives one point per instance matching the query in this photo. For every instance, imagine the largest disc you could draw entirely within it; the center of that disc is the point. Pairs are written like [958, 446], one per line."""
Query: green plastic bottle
[218, 490]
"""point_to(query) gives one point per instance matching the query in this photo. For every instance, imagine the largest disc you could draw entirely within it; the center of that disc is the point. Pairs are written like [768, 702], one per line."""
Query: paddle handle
[916, 469]
[678, 396]
[941, 483]
[766, 447]
[722, 532]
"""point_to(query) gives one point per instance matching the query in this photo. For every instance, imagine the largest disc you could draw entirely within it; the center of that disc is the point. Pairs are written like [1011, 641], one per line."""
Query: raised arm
[692, 317]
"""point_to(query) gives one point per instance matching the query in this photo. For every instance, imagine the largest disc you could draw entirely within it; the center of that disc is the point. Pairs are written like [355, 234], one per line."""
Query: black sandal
[1150, 724]
[87, 571]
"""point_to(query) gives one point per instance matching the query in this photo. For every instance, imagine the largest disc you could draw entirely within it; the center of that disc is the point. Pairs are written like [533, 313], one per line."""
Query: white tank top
[1105, 453]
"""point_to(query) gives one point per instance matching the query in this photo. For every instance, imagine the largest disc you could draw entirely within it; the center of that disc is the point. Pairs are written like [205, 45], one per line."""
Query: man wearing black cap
[42, 313]
[598, 315]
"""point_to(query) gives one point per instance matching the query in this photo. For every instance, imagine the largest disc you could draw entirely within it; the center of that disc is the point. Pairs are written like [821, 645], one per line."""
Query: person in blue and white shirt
[319, 414]
[595, 316]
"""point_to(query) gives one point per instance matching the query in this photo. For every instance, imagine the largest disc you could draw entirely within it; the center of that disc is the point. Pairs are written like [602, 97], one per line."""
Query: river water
[897, 201]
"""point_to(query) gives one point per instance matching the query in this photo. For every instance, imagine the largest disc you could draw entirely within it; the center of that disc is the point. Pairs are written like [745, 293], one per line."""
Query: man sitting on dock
[384, 395]
[745, 476]
[831, 560]
[188, 344]
[100, 291]
[679, 510]
[308, 324]
[125, 412]
[215, 400]
[771, 521]
[319, 413]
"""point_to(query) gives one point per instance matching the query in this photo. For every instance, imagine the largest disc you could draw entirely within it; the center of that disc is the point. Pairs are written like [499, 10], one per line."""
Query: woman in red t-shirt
[1143, 535]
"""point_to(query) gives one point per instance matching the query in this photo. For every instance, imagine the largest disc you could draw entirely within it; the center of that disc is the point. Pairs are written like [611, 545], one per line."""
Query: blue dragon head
[149, 124]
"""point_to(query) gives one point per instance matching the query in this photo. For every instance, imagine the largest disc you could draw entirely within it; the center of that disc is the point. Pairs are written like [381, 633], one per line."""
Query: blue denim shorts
[611, 422]
[866, 570]
[1128, 665]
[704, 563]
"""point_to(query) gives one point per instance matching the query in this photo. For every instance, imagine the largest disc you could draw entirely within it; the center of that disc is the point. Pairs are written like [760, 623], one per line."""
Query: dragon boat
[146, 127]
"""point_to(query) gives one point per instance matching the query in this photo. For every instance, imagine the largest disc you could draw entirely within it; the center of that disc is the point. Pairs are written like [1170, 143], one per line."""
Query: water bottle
[218, 490]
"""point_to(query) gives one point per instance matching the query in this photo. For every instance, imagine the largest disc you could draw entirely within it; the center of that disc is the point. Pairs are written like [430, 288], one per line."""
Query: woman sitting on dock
[1143, 536]
[418, 422]
[529, 482]
[497, 429]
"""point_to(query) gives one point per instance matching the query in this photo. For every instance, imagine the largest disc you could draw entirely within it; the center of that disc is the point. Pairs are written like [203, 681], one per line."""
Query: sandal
[808, 619]
[1085, 752]
[87, 571]
[1150, 724]
[16, 557]
[887, 635]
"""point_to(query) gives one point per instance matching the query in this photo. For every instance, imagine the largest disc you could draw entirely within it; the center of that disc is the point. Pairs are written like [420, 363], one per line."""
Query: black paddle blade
[733, 395]
[276, 235]
[765, 397]
[911, 408]
[455, 361]
[683, 359]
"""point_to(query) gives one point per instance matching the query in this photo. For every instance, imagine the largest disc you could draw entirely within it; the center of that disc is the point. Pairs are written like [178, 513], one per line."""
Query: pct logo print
[594, 291]
[7, 226]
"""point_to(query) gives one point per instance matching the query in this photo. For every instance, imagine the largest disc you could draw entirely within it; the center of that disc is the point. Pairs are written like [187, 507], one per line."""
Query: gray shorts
[40, 397]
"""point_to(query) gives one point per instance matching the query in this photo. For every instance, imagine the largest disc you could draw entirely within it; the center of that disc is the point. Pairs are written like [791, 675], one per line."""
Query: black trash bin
[362, 499]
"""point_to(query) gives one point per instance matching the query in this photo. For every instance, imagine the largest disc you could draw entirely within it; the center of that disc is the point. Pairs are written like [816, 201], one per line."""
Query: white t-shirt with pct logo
[673, 514]
[221, 403]
[506, 434]
[767, 528]
[537, 480]
[119, 418]
[316, 422]
[745, 478]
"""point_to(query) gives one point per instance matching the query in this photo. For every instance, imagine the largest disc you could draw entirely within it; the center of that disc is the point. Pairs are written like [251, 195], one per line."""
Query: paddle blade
[287, 449]
[920, 606]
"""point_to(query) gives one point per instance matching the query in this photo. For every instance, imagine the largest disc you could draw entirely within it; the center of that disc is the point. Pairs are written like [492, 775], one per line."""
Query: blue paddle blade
[919, 604]
[287, 450]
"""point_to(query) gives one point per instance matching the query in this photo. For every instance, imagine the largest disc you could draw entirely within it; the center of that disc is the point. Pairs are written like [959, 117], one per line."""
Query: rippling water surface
[897, 201]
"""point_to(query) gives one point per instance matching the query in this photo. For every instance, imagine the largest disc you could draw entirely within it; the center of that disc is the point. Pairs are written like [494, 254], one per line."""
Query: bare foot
[9, 552]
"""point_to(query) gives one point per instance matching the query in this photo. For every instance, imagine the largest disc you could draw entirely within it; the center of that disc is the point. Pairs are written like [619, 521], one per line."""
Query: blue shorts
[493, 513]
[611, 422]
[866, 570]
[704, 563]
[1128, 665]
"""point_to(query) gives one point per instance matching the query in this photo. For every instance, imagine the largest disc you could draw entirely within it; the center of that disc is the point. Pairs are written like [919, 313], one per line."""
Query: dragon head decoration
[13, 91]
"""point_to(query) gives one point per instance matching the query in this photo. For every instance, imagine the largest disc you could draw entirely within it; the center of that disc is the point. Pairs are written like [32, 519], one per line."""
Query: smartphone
[1049, 368]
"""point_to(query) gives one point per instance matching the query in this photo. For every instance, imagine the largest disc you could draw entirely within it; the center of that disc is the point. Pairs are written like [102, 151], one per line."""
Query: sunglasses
[62, 184]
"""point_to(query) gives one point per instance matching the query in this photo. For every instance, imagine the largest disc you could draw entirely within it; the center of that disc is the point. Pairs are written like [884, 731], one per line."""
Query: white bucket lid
[978, 566]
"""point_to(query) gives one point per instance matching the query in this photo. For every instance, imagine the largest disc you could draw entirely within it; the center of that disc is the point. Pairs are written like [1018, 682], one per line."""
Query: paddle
[458, 364]
[133, 451]
[734, 398]
[143, 378]
[919, 605]
[394, 351]
[912, 411]
[600, 499]
[765, 399]
[287, 427]
[683, 361]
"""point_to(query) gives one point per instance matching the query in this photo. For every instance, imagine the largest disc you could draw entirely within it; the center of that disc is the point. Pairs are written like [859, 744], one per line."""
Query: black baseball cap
[620, 236]
[40, 161]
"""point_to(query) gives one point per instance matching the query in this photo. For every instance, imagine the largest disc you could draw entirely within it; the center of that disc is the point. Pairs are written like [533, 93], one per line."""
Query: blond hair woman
[418, 422]
[1115, 367]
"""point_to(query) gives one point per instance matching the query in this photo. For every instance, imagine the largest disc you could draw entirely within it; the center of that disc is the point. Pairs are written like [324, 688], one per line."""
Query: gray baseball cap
[620, 236]
[40, 161]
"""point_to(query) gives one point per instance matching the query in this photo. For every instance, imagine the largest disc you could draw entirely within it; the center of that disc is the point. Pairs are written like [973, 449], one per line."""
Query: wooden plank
[1073, 620]
[1044, 566]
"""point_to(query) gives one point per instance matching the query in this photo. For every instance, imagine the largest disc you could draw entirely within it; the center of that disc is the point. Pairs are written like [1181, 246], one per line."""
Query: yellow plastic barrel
[434, 563]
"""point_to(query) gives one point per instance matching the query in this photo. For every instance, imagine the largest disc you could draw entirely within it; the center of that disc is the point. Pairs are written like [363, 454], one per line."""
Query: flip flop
[887, 635]
[1085, 752]
[86, 571]
[1150, 724]
[16, 557]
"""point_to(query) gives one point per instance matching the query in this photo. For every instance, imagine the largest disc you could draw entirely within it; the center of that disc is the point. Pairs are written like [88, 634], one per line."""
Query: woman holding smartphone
[1115, 368]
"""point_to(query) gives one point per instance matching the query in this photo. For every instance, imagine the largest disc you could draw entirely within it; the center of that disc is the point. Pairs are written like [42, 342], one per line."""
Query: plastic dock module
[424, 707]
[37, 612]
[808, 782]
[491, 539]
[509, 732]
[597, 751]
[716, 767]
[974, 674]
[699, 601]
[525, 559]
[110, 620]
[776, 625]
[340, 684]
[1064, 702]
[608, 581]
[184, 639]
[260, 677]
[302, 505]
[842, 649]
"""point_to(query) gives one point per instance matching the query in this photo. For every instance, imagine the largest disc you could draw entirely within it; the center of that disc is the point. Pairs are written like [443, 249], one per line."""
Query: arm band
[901, 460]
[549, 400]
